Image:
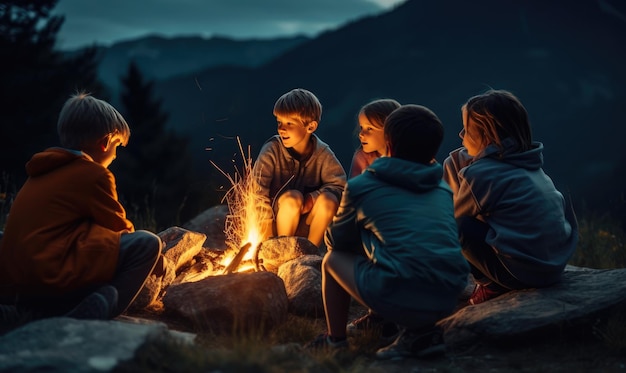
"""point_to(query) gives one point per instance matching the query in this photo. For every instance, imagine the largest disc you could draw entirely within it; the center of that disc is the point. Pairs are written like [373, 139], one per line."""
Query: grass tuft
[602, 243]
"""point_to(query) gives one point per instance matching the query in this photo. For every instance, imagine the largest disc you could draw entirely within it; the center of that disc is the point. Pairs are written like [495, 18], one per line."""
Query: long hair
[498, 114]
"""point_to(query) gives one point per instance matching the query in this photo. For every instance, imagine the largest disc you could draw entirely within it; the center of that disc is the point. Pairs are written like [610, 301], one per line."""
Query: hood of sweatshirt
[531, 159]
[416, 177]
[52, 159]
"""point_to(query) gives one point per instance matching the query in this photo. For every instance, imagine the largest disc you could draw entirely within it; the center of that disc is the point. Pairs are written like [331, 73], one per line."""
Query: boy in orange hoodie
[68, 248]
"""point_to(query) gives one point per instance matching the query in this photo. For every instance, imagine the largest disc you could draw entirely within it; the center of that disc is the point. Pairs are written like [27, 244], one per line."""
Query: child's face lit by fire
[372, 138]
[293, 132]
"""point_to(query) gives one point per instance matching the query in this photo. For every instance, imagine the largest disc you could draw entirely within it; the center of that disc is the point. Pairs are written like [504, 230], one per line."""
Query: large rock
[303, 282]
[576, 303]
[238, 302]
[212, 223]
[181, 245]
[278, 250]
[68, 345]
[162, 275]
[180, 248]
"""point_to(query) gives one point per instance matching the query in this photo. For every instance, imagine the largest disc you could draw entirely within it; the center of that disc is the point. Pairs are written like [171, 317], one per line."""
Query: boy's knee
[292, 196]
[291, 199]
[147, 242]
[327, 202]
[150, 238]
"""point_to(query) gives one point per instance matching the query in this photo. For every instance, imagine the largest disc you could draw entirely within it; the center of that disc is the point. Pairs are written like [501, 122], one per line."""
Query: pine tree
[155, 169]
[36, 80]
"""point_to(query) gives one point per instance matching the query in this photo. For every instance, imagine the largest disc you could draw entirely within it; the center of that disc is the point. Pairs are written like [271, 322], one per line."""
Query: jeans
[139, 252]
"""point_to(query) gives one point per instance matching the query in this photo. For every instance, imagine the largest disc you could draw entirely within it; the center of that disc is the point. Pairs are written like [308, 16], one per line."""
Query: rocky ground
[572, 352]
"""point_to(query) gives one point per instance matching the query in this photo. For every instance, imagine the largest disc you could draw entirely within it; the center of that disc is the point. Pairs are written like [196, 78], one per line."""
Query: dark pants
[485, 265]
[139, 252]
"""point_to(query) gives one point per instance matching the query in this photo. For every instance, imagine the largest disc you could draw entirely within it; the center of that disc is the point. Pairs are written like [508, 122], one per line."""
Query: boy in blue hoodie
[393, 245]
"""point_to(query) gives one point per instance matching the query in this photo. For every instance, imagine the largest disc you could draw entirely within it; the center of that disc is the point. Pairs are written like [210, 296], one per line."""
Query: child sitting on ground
[68, 248]
[393, 245]
[514, 226]
[298, 174]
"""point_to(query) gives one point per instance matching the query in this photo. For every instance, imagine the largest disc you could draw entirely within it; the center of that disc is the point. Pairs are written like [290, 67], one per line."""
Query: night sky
[106, 22]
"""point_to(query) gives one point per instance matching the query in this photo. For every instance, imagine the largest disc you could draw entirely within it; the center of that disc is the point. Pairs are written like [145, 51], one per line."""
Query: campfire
[242, 226]
[245, 276]
[245, 249]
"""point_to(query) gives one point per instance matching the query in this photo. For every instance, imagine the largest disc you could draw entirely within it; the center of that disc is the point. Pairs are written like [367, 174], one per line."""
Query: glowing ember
[243, 222]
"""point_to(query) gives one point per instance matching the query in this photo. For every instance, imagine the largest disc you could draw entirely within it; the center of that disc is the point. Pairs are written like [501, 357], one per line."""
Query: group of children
[402, 233]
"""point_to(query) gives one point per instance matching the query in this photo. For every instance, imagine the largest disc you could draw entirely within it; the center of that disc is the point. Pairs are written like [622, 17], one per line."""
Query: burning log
[258, 263]
[239, 259]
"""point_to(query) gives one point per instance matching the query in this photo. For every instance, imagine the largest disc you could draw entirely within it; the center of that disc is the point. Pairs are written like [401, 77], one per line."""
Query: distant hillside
[565, 60]
[161, 58]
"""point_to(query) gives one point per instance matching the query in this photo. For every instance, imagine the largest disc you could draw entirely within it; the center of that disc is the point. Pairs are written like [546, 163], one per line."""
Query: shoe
[389, 331]
[99, 305]
[483, 293]
[368, 321]
[414, 343]
[326, 342]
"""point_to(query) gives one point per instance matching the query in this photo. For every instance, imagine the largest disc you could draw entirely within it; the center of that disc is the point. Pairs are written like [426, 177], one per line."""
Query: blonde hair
[84, 120]
[299, 102]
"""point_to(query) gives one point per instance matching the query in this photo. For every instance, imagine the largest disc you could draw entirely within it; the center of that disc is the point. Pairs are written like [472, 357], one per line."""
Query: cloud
[105, 22]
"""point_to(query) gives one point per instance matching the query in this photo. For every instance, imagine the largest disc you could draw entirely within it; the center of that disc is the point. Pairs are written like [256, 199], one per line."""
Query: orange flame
[243, 223]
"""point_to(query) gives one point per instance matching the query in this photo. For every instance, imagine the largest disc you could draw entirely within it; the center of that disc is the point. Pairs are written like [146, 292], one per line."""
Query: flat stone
[581, 297]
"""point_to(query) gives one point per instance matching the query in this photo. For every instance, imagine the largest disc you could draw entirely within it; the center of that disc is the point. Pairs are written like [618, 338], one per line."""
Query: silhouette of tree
[154, 171]
[36, 80]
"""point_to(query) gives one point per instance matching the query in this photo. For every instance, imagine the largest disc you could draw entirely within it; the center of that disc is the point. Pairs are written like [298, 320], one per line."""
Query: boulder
[68, 345]
[211, 223]
[575, 305]
[303, 282]
[181, 245]
[278, 250]
[238, 302]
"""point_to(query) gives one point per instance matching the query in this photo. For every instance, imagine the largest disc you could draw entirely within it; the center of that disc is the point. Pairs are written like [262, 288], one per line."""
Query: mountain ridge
[160, 57]
[564, 60]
